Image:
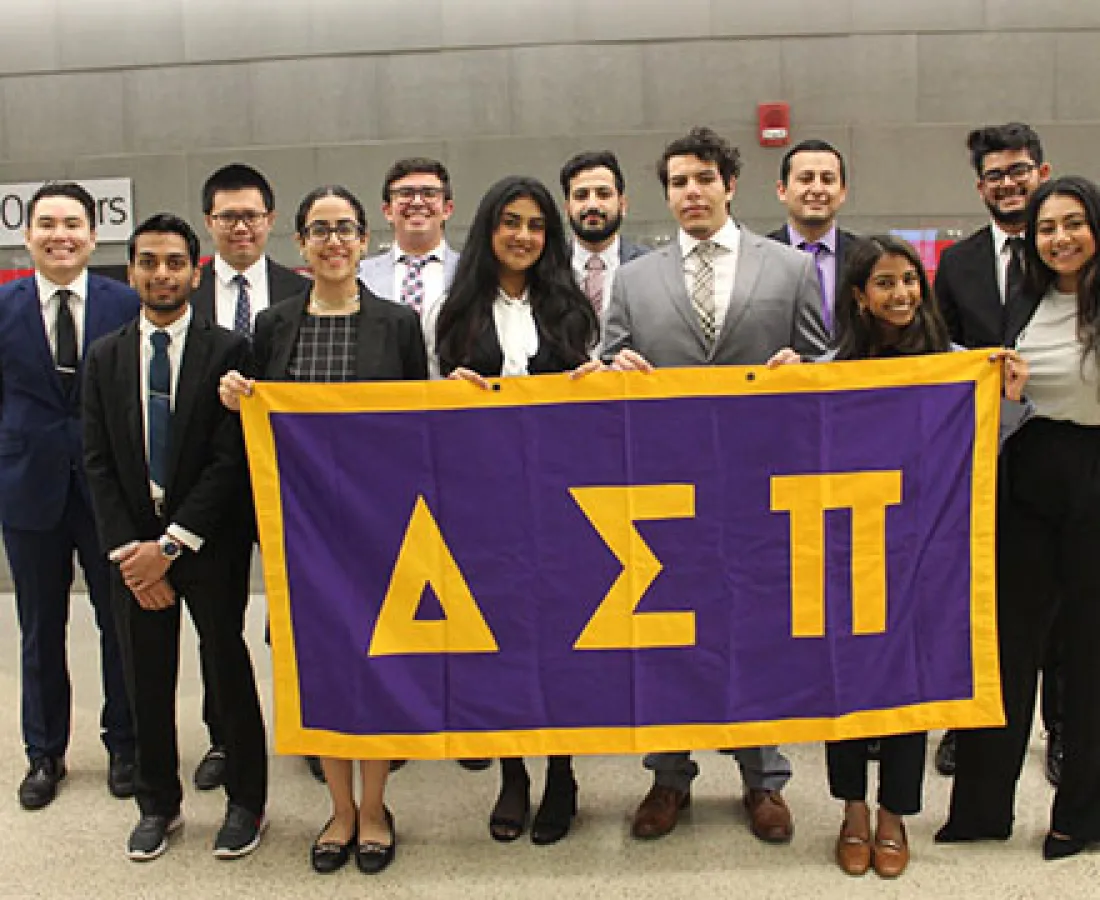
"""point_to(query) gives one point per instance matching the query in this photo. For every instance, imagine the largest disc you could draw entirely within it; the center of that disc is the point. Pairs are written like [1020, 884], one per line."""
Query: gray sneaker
[240, 833]
[149, 839]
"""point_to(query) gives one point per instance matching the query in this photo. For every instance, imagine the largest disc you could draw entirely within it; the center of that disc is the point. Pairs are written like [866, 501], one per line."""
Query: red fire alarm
[775, 124]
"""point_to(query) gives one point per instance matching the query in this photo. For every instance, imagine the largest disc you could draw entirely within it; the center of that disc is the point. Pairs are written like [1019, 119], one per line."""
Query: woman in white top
[1048, 536]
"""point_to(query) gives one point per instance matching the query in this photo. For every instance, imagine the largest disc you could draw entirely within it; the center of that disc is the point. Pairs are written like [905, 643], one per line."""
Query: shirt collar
[828, 239]
[999, 237]
[521, 300]
[47, 288]
[436, 254]
[254, 274]
[176, 330]
[609, 254]
[728, 236]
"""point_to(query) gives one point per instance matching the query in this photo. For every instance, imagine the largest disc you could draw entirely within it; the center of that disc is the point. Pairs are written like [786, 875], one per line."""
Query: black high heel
[508, 820]
[559, 803]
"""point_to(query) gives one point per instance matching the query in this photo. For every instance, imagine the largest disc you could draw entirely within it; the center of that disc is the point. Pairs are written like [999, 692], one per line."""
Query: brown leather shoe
[769, 816]
[659, 811]
[853, 853]
[891, 857]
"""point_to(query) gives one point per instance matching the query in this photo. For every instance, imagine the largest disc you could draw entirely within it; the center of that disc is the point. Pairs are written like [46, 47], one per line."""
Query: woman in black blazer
[514, 309]
[338, 331]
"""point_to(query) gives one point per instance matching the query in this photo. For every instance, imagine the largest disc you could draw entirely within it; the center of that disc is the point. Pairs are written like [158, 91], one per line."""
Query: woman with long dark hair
[1048, 524]
[514, 309]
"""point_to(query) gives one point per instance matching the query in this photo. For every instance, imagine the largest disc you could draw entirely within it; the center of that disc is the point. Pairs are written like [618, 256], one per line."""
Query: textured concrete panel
[460, 93]
[246, 29]
[1071, 148]
[182, 108]
[378, 26]
[1048, 14]
[488, 23]
[28, 39]
[732, 17]
[314, 101]
[857, 79]
[576, 89]
[927, 15]
[64, 116]
[599, 20]
[1077, 76]
[110, 34]
[985, 77]
[716, 83]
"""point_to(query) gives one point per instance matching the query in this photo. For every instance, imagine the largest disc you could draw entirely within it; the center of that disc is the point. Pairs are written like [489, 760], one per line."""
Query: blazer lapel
[749, 267]
[128, 390]
[38, 343]
[672, 276]
[196, 358]
[284, 337]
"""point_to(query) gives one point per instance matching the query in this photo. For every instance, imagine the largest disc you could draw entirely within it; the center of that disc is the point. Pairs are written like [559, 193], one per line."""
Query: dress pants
[209, 702]
[900, 771]
[762, 768]
[1049, 523]
[42, 569]
[150, 643]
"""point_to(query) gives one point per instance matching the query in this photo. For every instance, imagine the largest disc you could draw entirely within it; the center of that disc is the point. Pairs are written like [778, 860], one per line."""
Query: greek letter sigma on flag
[694, 558]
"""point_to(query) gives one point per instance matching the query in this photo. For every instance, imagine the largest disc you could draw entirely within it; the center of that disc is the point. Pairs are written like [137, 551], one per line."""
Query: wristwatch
[170, 548]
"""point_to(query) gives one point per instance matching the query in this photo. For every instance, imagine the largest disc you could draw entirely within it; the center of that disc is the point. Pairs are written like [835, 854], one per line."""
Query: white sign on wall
[114, 208]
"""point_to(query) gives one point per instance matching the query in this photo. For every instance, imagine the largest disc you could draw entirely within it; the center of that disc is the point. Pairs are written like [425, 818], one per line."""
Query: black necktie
[1014, 276]
[65, 358]
[160, 407]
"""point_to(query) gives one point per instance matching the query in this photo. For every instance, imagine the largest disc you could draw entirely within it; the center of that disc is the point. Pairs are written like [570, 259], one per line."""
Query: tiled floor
[75, 847]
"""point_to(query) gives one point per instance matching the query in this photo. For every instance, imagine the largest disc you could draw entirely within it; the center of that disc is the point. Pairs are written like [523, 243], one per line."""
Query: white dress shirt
[516, 331]
[1003, 256]
[47, 297]
[432, 275]
[610, 257]
[728, 238]
[226, 291]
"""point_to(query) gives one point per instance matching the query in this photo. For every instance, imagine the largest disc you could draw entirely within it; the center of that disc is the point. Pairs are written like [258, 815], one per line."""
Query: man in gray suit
[419, 267]
[595, 199]
[716, 295]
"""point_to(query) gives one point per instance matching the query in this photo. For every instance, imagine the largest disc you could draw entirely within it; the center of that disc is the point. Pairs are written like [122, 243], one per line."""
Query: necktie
[1014, 275]
[160, 407]
[702, 289]
[66, 357]
[412, 287]
[594, 270]
[242, 315]
[816, 250]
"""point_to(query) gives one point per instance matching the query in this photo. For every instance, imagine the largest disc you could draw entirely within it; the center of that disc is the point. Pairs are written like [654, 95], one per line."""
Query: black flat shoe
[949, 834]
[328, 856]
[556, 812]
[372, 857]
[510, 814]
[1061, 846]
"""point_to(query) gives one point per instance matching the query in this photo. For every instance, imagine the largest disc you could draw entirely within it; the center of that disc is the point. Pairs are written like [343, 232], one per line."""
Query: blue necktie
[160, 407]
[242, 315]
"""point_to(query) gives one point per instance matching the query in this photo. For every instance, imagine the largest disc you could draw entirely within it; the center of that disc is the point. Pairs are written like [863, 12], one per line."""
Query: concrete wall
[333, 90]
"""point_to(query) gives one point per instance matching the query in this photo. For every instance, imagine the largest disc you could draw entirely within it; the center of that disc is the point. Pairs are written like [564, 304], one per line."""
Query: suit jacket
[390, 343]
[40, 433]
[629, 251]
[207, 487]
[969, 297]
[776, 302]
[281, 283]
[843, 239]
[377, 272]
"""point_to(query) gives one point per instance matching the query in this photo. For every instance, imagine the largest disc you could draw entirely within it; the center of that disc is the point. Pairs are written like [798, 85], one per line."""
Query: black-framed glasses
[1017, 172]
[346, 230]
[408, 193]
[229, 219]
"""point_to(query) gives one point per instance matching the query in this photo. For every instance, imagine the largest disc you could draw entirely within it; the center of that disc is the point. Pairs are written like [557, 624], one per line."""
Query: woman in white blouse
[1048, 535]
[514, 309]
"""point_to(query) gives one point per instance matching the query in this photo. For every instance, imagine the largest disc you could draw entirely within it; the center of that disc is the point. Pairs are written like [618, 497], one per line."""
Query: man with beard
[813, 185]
[595, 199]
[166, 469]
[977, 286]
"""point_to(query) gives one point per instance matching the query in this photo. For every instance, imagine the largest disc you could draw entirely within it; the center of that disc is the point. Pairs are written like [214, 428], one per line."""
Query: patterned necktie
[816, 250]
[412, 287]
[702, 289]
[242, 315]
[65, 357]
[160, 407]
[594, 271]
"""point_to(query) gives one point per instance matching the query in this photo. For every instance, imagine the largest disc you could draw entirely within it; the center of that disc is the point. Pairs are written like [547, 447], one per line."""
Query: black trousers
[1048, 544]
[210, 714]
[900, 775]
[150, 646]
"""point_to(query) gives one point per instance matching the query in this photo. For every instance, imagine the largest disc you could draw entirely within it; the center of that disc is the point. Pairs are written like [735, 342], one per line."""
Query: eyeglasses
[346, 230]
[409, 193]
[228, 220]
[1017, 172]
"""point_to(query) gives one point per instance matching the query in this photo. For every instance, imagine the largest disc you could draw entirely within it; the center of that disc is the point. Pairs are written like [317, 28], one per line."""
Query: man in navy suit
[47, 322]
[595, 200]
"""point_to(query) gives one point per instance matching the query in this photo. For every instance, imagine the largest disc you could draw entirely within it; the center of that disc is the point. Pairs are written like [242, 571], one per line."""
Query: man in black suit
[46, 323]
[239, 282]
[813, 185]
[595, 200]
[977, 285]
[169, 486]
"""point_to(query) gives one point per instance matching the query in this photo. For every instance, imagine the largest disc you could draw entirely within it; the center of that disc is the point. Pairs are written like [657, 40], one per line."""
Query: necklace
[344, 307]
